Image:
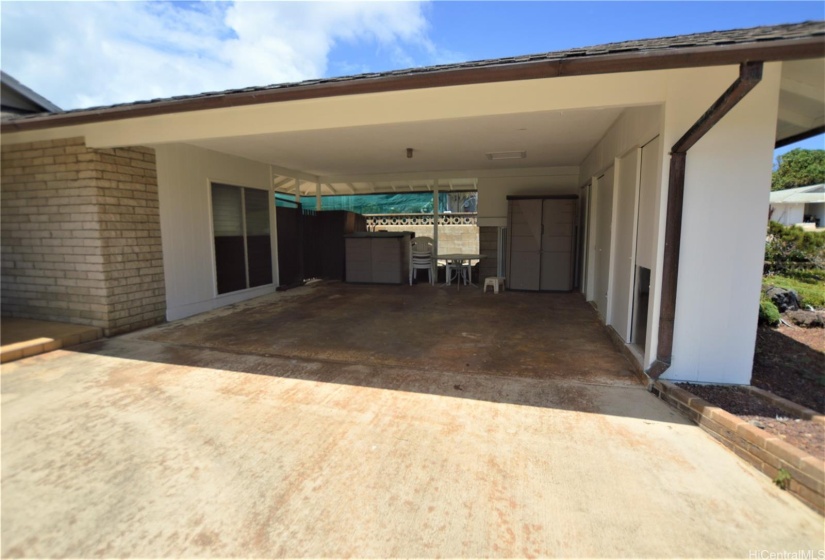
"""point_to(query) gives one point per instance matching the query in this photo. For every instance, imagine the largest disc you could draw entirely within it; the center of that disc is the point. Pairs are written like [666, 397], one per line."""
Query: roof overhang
[31, 96]
[636, 61]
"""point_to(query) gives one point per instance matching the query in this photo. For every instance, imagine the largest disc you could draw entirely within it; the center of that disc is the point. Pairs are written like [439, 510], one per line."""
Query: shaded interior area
[426, 328]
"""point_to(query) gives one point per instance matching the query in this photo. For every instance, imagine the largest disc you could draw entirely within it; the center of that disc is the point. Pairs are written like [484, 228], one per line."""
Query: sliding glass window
[243, 252]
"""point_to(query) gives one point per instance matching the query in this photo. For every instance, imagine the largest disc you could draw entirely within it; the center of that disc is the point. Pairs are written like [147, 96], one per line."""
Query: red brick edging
[761, 449]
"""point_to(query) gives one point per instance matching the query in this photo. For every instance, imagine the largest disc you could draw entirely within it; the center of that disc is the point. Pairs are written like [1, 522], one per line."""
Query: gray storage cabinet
[378, 258]
[542, 240]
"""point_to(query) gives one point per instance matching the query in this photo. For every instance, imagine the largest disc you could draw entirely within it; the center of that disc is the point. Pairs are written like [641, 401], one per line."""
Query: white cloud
[98, 53]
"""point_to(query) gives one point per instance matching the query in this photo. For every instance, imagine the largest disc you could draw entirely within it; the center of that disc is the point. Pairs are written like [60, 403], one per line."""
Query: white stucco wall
[185, 174]
[722, 250]
[493, 191]
[635, 128]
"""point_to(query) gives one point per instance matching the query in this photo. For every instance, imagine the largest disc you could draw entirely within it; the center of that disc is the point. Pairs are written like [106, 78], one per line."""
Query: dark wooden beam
[800, 137]
[750, 74]
[634, 61]
[670, 263]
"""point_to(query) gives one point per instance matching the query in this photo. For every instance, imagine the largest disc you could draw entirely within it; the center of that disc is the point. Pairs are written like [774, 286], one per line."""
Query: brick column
[81, 235]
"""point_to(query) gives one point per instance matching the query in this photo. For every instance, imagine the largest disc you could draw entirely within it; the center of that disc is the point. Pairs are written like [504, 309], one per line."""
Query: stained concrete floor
[150, 445]
[429, 328]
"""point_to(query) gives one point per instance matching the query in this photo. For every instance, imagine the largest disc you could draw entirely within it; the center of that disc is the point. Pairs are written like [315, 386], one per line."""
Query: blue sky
[494, 29]
[82, 54]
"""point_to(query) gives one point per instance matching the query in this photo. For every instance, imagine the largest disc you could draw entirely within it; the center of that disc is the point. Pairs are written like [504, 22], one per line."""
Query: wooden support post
[318, 196]
[435, 216]
[300, 237]
[670, 264]
[273, 230]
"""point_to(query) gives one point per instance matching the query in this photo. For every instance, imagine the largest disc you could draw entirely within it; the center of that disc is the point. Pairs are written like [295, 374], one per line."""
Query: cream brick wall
[81, 235]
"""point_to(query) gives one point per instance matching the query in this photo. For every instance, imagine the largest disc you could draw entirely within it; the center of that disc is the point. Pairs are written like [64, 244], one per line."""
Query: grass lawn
[812, 293]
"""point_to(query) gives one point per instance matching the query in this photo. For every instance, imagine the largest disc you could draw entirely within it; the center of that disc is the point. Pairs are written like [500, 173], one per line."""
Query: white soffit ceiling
[550, 138]
[801, 97]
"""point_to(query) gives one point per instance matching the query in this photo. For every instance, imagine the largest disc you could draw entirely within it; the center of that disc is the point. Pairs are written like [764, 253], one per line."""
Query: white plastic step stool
[495, 281]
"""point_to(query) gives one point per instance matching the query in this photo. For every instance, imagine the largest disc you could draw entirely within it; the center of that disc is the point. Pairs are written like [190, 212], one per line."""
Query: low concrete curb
[632, 360]
[761, 449]
[41, 345]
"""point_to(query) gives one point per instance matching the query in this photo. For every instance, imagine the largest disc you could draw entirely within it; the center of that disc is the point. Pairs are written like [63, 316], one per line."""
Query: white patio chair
[421, 257]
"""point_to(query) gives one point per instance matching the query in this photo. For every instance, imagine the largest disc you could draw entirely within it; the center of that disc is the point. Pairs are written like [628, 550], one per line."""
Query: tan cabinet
[542, 240]
[377, 258]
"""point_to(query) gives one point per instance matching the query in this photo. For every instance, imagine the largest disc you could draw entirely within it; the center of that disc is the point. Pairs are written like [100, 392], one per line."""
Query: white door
[604, 227]
[624, 244]
[648, 186]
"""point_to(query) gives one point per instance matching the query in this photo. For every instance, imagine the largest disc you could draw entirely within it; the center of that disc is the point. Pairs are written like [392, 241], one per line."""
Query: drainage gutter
[750, 74]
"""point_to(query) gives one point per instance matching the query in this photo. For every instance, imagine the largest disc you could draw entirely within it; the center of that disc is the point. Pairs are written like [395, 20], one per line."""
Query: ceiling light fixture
[409, 153]
[506, 155]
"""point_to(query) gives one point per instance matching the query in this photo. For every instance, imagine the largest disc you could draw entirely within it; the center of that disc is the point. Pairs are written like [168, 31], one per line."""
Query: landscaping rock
[785, 300]
[807, 319]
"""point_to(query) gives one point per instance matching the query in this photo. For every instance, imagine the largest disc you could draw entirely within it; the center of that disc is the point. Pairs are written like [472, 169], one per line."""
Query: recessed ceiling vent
[506, 155]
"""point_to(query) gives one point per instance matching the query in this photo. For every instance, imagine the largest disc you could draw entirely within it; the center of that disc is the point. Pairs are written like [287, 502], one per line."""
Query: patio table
[460, 258]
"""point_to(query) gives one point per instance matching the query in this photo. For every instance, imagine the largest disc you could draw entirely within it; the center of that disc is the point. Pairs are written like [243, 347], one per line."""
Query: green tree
[799, 168]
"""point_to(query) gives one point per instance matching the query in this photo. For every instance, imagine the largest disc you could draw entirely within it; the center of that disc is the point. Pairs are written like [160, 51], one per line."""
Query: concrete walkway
[131, 447]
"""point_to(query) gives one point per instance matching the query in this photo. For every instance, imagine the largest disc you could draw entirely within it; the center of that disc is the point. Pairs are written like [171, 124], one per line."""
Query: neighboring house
[110, 215]
[804, 206]
[16, 99]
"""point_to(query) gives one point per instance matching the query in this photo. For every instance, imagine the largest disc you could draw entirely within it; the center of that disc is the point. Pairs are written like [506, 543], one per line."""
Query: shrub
[791, 251]
[810, 276]
[768, 313]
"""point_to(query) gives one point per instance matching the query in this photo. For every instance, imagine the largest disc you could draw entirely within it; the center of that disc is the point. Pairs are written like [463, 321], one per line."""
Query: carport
[604, 138]
[598, 123]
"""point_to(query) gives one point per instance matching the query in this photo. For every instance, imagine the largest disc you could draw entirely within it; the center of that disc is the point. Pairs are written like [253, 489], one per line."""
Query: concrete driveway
[145, 447]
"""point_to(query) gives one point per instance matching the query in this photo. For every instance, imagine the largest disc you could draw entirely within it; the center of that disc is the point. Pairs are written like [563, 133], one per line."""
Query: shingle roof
[646, 49]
